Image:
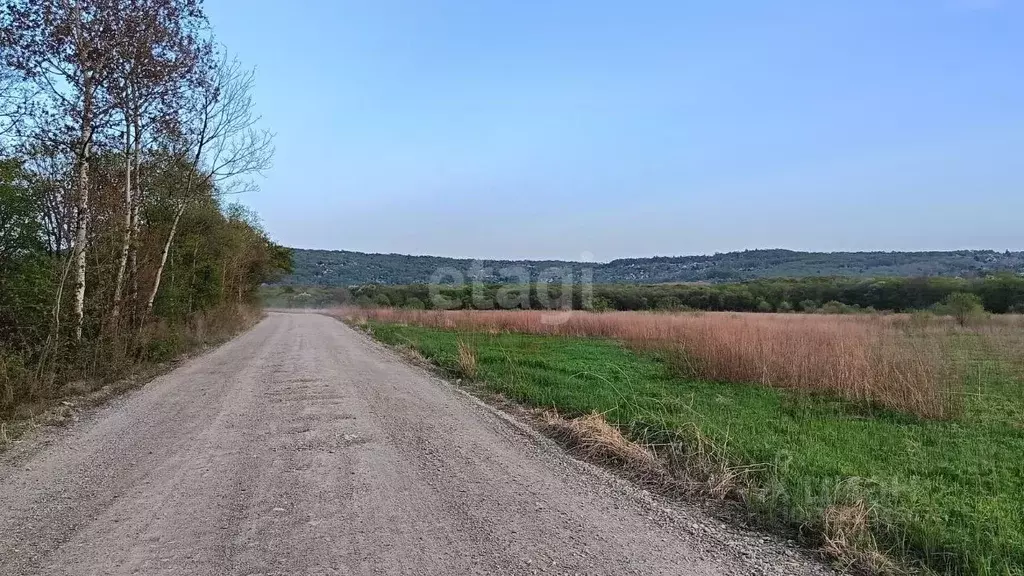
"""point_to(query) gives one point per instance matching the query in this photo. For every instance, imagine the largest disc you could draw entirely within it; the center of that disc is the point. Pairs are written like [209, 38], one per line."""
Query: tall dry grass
[897, 361]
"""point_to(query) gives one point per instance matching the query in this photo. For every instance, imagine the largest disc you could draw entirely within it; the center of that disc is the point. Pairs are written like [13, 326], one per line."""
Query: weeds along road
[302, 447]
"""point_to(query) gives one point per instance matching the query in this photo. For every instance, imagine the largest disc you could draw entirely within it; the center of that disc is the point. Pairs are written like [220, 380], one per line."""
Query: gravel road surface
[302, 447]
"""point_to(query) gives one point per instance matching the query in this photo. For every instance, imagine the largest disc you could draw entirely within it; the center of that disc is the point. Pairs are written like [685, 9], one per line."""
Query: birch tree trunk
[81, 237]
[126, 238]
[136, 223]
[163, 256]
[82, 220]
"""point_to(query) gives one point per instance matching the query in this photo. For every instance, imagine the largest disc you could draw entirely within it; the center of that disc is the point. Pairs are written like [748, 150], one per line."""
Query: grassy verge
[942, 495]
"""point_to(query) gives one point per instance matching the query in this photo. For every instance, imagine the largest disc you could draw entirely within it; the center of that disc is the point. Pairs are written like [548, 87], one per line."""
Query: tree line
[1003, 293]
[125, 133]
[347, 268]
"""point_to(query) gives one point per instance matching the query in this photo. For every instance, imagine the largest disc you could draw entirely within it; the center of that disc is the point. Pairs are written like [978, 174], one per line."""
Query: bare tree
[221, 143]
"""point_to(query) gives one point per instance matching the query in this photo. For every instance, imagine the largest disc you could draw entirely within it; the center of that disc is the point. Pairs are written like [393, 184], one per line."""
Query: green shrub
[667, 303]
[962, 306]
[808, 305]
[833, 307]
[413, 303]
[14, 379]
[164, 347]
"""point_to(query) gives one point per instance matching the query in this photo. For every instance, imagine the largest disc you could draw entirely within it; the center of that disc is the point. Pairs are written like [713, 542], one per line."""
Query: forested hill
[343, 268]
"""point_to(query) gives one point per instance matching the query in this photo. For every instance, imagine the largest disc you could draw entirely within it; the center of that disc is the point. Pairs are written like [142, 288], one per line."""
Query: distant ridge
[345, 268]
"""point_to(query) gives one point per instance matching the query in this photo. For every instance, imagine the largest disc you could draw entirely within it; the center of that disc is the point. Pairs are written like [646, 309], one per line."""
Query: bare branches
[220, 132]
[11, 109]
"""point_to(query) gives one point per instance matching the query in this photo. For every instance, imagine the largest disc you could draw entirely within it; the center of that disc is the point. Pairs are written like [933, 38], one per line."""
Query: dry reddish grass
[897, 361]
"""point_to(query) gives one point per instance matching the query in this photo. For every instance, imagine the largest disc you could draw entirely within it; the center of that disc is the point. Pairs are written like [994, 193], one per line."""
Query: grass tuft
[846, 532]
[467, 361]
[596, 440]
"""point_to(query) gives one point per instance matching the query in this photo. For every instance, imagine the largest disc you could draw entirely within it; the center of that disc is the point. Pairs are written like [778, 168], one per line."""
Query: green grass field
[945, 495]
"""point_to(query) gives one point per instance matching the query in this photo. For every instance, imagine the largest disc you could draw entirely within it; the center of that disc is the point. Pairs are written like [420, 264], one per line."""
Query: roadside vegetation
[894, 442]
[122, 133]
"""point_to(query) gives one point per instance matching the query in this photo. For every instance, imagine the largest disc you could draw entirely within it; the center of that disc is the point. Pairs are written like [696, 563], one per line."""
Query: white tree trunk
[82, 220]
[81, 238]
[136, 223]
[126, 238]
[163, 256]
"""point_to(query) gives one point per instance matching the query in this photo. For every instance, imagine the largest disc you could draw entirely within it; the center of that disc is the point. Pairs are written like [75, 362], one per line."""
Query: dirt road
[303, 448]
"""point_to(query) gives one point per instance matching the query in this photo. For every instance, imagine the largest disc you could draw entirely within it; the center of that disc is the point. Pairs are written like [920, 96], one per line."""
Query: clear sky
[529, 129]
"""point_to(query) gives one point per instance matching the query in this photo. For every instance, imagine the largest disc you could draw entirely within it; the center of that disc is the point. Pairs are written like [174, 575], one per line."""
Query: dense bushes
[122, 129]
[998, 294]
[219, 258]
[26, 274]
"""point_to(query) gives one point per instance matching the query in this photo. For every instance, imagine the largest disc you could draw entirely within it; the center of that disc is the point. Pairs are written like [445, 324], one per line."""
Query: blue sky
[529, 129]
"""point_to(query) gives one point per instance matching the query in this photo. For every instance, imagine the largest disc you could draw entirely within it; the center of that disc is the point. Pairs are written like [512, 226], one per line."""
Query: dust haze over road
[302, 447]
